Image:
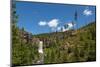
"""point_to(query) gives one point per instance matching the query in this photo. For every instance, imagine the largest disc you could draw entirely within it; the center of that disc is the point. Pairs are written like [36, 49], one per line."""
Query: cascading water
[40, 49]
[41, 55]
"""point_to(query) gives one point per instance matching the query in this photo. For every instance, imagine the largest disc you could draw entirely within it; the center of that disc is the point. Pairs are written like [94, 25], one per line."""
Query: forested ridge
[59, 47]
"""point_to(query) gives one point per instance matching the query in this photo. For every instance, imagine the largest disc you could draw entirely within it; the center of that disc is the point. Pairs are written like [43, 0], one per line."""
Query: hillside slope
[70, 46]
[59, 47]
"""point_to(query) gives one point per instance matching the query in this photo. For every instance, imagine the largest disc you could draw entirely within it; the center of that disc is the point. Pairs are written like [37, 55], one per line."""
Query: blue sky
[40, 18]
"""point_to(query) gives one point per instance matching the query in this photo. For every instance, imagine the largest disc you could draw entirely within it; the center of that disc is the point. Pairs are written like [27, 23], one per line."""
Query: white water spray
[41, 55]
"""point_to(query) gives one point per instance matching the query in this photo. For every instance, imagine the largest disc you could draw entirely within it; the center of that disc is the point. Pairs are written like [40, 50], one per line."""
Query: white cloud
[53, 23]
[58, 28]
[87, 12]
[42, 23]
[70, 25]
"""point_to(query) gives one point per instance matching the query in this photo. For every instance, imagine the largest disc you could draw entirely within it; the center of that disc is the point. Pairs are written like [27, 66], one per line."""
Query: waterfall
[40, 49]
[41, 55]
